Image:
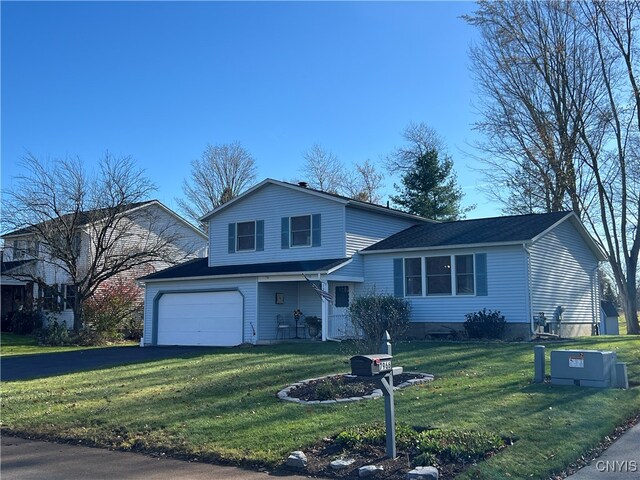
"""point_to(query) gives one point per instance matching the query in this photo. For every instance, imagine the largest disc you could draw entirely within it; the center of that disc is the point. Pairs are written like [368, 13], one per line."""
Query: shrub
[485, 324]
[373, 313]
[26, 321]
[55, 333]
[112, 313]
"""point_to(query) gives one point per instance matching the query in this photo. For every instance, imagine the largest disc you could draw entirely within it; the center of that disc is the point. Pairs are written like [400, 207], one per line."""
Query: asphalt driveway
[49, 364]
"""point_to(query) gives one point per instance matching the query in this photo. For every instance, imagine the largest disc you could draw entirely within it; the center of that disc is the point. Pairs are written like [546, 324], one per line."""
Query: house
[281, 247]
[26, 258]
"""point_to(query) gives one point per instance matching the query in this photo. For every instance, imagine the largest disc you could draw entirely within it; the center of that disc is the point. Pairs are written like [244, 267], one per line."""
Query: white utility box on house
[584, 368]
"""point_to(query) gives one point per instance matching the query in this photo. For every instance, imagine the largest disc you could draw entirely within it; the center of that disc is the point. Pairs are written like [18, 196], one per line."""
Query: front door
[339, 324]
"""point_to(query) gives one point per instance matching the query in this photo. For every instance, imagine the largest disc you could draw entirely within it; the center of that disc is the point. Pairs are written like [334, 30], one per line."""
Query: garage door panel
[200, 318]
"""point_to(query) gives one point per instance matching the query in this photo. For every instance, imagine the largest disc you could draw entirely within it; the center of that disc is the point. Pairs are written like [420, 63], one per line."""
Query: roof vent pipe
[303, 184]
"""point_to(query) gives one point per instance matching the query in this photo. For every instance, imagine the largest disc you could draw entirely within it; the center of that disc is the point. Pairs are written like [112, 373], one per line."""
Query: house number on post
[379, 366]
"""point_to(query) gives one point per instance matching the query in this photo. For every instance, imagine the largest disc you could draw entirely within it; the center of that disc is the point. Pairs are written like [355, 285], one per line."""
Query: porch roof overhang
[13, 272]
[199, 269]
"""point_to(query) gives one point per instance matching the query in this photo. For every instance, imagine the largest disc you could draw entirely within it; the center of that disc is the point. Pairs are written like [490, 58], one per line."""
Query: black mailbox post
[370, 365]
[379, 366]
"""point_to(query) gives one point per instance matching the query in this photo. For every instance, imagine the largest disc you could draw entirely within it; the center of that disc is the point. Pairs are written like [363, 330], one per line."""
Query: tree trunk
[630, 305]
[78, 320]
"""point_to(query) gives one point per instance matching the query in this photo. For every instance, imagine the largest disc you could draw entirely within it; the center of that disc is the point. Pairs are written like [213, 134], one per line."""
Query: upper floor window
[25, 249]
[301, 231]
[246, 236]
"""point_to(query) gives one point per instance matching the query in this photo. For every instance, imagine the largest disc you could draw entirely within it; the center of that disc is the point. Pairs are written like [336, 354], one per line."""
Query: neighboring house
[25, 258]
[269, 248]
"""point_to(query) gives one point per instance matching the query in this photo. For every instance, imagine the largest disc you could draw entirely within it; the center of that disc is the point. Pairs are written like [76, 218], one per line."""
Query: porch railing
[340, 326]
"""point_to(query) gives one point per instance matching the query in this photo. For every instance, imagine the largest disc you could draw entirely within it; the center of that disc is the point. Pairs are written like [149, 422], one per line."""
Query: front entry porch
[280, 302]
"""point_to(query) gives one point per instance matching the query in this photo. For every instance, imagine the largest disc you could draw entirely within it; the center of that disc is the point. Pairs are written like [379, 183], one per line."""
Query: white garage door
[200, 318]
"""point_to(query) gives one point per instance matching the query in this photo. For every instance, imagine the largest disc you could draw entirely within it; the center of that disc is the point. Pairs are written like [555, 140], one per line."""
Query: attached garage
[211, 318]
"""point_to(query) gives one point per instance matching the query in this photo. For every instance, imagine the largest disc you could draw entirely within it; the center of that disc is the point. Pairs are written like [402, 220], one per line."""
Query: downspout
[595, 310]
[528, 297]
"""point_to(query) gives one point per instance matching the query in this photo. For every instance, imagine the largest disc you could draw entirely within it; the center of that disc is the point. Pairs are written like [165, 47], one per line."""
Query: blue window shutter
[398, 277]
[481, 275]
[259, 235]
[285, 232]
[232, 238]
[316, 232]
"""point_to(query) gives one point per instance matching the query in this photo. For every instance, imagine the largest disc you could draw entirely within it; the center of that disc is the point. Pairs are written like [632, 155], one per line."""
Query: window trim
[310, 244]
[453, 276]
[255, 240]
[422, 277]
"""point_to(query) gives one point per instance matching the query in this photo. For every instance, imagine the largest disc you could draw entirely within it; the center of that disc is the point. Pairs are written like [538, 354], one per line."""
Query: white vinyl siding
[272, 203]
[506, 278]
[563, 273]
[364, 228]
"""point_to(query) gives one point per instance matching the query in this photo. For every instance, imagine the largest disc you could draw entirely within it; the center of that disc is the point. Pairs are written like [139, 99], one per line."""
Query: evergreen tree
[429, 188]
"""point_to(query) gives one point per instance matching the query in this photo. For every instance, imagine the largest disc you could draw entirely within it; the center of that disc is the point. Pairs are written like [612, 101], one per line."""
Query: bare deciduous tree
[323, 170]
[364, 183]
[222, 173]
[86, 225]
[611, 147]
[561, 114]
[537, 75]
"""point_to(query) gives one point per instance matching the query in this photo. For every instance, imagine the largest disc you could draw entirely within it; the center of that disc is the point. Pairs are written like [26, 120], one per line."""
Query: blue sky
[160, 81]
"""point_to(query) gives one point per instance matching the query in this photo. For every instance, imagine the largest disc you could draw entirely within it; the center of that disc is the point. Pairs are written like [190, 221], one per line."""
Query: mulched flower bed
[343, 386]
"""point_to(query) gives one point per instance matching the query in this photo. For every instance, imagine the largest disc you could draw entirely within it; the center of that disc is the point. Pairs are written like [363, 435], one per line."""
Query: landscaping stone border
[377, 393]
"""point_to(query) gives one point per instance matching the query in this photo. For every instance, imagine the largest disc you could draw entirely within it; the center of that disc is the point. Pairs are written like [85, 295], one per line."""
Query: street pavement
[22, 459]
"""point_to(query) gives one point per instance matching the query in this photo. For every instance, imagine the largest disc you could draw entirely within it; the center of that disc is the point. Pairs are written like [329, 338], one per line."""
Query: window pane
[413, 276]
[464, 285]
[439, 265]
[301, 231]
[247, 228]
[464, 275]
[439, 275]
[301, 223]
[246, 233]
[342, 296]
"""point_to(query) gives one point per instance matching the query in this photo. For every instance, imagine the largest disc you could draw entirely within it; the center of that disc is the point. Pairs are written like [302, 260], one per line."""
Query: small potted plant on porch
[315, 325]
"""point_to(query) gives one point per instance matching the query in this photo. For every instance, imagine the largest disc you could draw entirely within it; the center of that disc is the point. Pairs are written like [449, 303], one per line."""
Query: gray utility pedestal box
[370, 365]
[584, 368]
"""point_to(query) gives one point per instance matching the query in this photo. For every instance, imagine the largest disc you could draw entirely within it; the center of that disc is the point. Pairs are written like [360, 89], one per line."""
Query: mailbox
[370, 365]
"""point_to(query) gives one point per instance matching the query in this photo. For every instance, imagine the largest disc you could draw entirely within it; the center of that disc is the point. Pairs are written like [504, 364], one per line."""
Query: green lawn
[220, 405]
[11, 344]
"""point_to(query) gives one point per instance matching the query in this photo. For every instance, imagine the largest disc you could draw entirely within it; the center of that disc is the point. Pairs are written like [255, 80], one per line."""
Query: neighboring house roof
[200, 268]
[6, 267]
[608, 308]
[329, 196]
[84, 218]
[484, 231]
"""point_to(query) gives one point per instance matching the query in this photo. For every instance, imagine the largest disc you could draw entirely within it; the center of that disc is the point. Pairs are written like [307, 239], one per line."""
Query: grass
[220, 404]
[12, 344]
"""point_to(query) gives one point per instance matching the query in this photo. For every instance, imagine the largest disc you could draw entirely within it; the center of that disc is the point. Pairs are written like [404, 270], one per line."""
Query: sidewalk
[620, 461]
[30, 460]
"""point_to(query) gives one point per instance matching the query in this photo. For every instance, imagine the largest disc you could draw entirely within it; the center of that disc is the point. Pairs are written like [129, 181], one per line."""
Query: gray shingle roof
[518, 228]
[200, 268]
